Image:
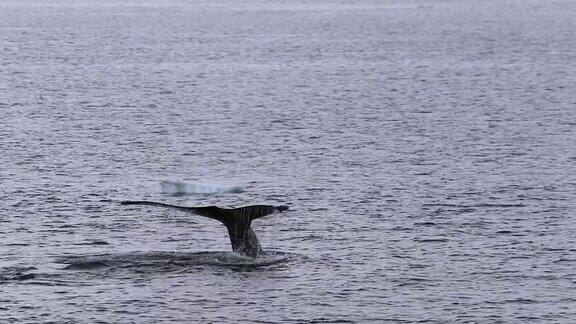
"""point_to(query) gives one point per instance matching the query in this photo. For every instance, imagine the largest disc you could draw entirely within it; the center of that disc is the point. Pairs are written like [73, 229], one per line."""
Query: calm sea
[427, 150]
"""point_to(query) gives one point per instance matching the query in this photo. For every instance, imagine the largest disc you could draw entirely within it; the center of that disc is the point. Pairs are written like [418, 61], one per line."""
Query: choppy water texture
[426, 149]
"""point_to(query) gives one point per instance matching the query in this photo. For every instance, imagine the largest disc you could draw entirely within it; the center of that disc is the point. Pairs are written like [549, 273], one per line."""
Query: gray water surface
[426, 149]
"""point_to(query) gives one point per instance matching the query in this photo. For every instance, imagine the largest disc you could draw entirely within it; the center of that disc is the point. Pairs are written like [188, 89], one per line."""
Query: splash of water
[183, 188]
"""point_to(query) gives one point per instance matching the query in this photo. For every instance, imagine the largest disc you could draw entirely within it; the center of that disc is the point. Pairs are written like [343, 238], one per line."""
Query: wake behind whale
[173, 261]
[77, 268]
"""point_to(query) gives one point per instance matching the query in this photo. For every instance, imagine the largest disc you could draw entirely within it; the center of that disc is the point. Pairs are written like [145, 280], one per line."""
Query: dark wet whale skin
[238, 221]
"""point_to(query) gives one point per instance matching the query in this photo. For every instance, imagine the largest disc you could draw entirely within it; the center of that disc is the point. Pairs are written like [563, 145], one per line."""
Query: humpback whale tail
[238, 221]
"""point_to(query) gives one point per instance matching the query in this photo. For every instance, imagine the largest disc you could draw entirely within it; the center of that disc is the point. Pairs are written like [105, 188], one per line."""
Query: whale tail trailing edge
[218, 213]
[237, 220]
[208, 211]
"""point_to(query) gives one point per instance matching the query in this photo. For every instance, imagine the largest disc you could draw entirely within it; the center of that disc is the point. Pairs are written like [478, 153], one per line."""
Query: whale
[238, 221]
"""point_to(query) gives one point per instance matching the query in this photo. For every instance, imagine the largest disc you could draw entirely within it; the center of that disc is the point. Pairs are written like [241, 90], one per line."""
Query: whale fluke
[238, 221]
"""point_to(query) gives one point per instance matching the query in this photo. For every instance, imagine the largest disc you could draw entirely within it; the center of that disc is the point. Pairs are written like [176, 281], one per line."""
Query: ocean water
[426, 149]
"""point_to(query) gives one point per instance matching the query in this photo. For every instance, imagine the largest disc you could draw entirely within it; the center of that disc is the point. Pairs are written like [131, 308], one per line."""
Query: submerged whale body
[238, 222]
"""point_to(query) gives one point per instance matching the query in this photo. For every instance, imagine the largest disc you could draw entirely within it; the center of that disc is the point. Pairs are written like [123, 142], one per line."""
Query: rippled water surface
[426, 149]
